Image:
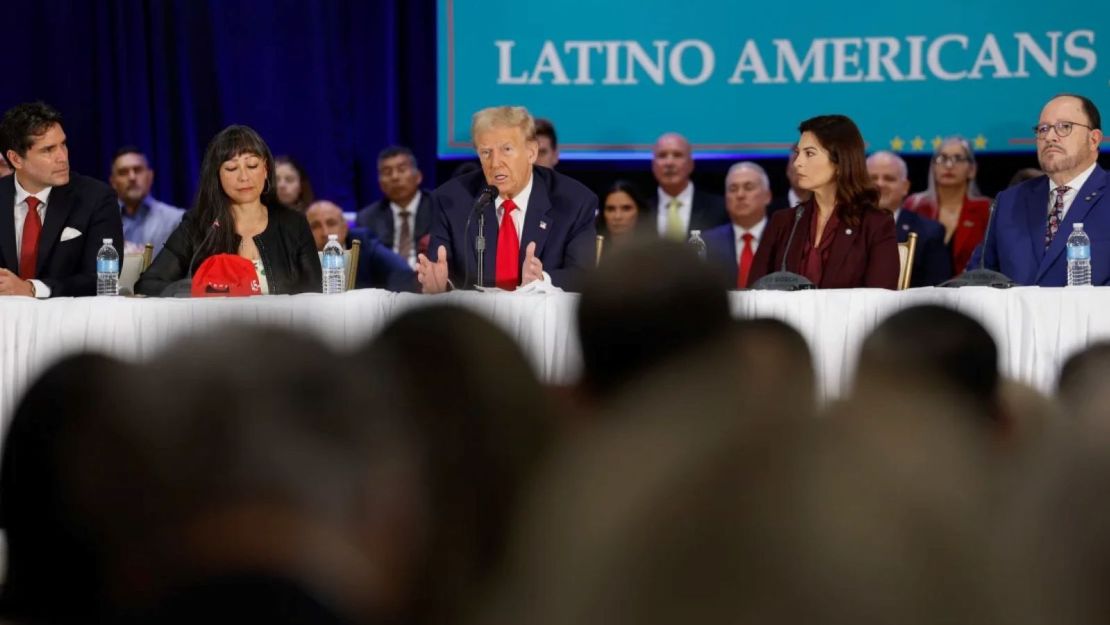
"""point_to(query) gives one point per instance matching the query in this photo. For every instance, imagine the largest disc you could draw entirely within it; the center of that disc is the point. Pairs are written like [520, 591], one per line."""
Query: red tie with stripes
[29, 247]
[507, 273]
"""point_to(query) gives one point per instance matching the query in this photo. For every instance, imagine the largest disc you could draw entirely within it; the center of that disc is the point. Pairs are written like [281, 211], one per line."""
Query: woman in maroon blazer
[843, 240]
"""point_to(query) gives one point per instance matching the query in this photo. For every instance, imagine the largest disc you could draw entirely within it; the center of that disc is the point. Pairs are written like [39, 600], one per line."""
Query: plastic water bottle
[107, 269]
[335, 276]
[697, 243]
[1079, 257]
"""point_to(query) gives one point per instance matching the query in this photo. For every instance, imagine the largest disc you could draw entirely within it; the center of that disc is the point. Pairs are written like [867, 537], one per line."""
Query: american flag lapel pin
[543, 225]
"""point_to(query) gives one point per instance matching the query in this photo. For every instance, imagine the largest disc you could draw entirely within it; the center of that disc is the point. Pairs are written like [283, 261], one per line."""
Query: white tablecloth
[1036, 329]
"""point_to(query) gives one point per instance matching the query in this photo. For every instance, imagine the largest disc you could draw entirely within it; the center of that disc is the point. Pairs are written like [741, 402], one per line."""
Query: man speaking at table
[1032, 221]
[539, 224]
[52, 222]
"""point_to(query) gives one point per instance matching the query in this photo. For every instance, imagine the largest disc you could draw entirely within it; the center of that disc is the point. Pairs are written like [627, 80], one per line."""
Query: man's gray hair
[753, 167]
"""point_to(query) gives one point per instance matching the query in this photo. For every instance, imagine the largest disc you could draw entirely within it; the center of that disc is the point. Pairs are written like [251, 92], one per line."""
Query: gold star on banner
[897, 144]
[918, 143]
[980, 142]
[936, 142]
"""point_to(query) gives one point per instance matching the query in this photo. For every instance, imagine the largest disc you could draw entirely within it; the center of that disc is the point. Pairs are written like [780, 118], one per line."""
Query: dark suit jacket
[68, 268]
[1015, 243]
[380, 267]
[706, 211]
[720, 248]
[378, 218]
[560, 219]
[866, 256]
[931, 262]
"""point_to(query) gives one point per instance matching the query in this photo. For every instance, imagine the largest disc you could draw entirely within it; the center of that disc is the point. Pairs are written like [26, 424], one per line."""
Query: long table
[1036, 329]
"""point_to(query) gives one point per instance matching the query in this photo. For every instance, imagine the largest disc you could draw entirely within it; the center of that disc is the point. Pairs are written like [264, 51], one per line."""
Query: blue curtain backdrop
[330, 82]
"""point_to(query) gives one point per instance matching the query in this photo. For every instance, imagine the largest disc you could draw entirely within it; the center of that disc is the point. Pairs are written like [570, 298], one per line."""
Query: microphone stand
[480, 247]
[982, 276]
[783, 280]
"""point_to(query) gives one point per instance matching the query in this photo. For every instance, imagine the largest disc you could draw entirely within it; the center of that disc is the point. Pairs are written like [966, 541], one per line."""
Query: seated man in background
[401, 218]
[732, 246]
[145, 219]
[548, 142]
[678, 207]
[378, 266]
[932, 264]
[540, 225]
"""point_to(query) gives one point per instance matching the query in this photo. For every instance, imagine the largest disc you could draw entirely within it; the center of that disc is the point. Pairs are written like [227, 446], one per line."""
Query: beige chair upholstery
[134, 264]
[905, 260]
[599, 243]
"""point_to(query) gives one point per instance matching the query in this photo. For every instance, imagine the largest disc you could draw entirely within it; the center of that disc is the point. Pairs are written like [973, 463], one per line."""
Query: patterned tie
[1054, 216]
[507, 271]
[404, 239]
[29, 250]
[675, 231]
[746, 257]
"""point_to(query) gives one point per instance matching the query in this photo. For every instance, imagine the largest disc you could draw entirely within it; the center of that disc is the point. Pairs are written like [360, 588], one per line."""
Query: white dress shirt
[412, 207]
[756, 232]
[21, 207]
[685, 207]
[1073, 185]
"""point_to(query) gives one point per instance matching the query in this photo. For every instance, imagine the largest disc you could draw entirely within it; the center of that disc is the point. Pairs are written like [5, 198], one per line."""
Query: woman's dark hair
[306, 196]
[839, 135]
[622, 186]
[212, 204]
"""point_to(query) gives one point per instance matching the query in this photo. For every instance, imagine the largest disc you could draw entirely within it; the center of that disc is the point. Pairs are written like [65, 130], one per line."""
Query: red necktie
[507, 275]
[29, 248]
[746, 257]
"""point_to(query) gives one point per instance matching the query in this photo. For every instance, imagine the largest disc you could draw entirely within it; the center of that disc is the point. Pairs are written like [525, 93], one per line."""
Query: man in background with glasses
[1032, 220]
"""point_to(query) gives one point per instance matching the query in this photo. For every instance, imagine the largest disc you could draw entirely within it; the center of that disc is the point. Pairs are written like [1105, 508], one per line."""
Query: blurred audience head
[931, 343]
[326, 218]
[644, 305]
[781, 354]
[548, 154]
[889, 175]
[1083, 391]
[1021, 175]
[131, 176]
[54, 568]
[294, 189]
[398, 175]
[276, 458]
[482, 438]
[622, 211]
[672, 162]
[747, 194]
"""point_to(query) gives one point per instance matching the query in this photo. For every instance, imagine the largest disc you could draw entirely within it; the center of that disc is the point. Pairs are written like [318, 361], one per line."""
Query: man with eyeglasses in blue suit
[1032, 220]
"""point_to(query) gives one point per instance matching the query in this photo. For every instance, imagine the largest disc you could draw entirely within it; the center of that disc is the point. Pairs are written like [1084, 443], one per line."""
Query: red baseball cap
[225, 275]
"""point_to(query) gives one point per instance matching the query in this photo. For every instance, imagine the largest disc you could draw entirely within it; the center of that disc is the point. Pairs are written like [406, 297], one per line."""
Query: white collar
[22, 194]
[756, 230]
[1075, 184]
[685, 196]
[521, 199]
[410, 207]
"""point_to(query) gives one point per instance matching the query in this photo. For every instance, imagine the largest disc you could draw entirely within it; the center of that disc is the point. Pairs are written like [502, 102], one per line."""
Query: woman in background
[622, 215]
[294, 189]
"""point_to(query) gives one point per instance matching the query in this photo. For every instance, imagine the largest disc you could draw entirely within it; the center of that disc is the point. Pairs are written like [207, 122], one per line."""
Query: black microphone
[488, 194]
[783, 280]
[982, 276]
[184, 287]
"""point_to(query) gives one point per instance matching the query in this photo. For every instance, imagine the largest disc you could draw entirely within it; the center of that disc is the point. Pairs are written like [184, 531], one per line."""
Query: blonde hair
[504, 117]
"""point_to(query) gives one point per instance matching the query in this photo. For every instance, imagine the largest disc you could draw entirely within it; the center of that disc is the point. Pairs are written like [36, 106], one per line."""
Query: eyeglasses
[950, 159]
[1063, 129]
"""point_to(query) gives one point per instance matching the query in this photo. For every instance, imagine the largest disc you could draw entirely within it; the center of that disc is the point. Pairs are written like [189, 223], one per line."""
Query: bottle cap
[333, 237]
[107, 241]
[1077, 226]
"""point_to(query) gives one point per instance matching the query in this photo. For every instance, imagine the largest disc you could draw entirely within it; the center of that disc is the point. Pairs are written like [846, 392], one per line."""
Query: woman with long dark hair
[294, 189]
[622, 215]
[842, 239]
[236, 212]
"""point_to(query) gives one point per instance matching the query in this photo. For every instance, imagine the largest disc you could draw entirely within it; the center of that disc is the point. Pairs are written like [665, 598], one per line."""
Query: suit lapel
[1035, 207]
[7, 224]
[1088, 196]
[385, 224]
[539, 205]
[423, 215]
[57, 212]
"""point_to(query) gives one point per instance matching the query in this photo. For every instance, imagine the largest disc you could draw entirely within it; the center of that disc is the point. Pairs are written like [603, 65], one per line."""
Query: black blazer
[706, 211]
[378, 218]
[68, 268]
[932, 263]
[286, 246]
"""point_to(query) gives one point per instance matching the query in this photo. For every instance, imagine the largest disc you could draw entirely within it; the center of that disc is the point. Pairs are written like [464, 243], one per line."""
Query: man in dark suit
[52, 222]
[540, 225]
[678, 207]
[1032, 221]
[378, 266]
[401, 218]
[731, 247]
[932, 264]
